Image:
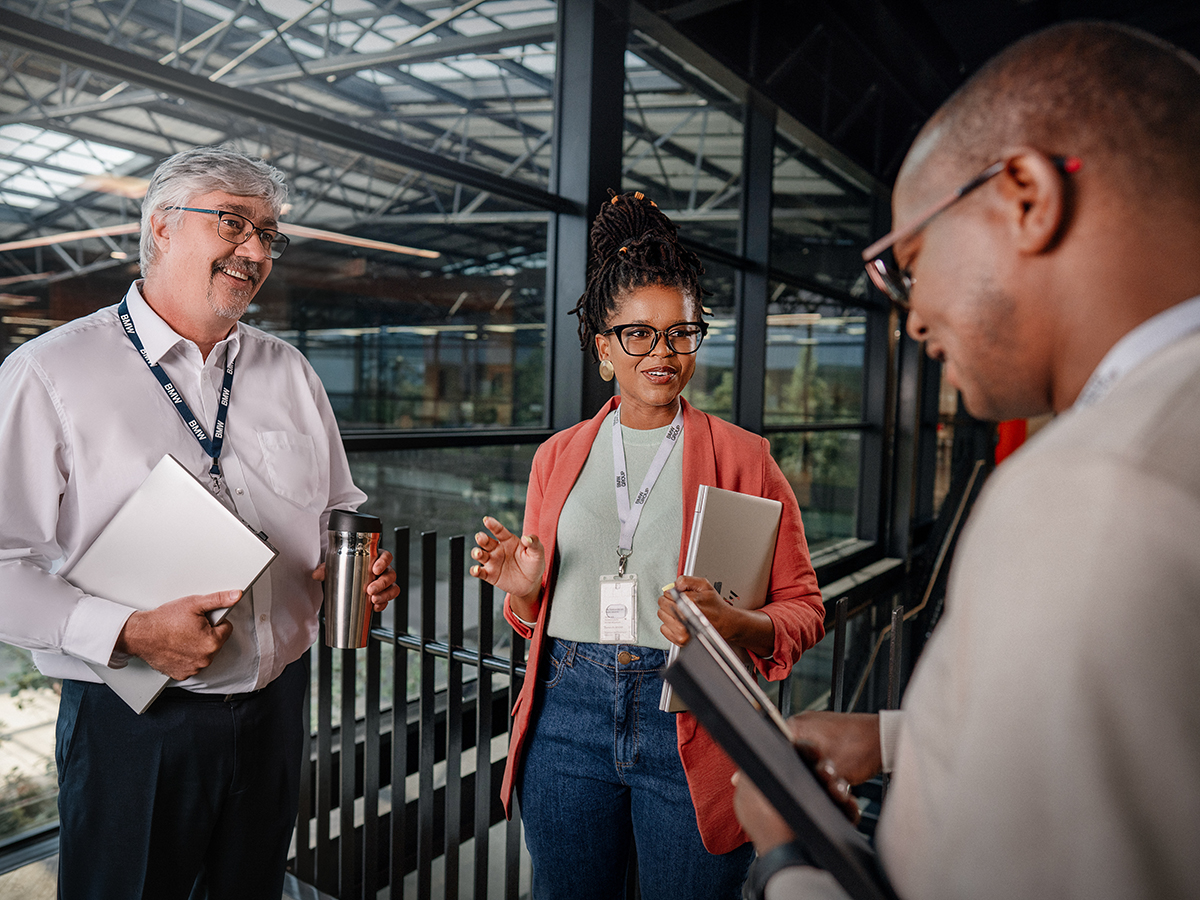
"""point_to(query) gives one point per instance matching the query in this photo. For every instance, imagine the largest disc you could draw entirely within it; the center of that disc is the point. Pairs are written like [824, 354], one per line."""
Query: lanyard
[631, 514]
[211, 447]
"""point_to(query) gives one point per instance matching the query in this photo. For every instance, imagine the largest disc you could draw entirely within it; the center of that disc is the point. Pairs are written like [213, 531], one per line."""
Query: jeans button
[624, 657]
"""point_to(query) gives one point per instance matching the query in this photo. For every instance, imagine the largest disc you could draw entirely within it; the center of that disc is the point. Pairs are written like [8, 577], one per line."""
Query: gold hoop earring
[607, 372]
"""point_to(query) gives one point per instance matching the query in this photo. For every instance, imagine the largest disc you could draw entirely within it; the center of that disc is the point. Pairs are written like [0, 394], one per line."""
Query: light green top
[589, 530]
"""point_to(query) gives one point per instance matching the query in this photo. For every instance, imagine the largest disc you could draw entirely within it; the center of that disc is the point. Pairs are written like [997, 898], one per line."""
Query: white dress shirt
[83, 421]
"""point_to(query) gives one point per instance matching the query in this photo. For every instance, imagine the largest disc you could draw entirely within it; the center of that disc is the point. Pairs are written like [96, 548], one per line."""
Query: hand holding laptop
[748, 628]
[179, 638]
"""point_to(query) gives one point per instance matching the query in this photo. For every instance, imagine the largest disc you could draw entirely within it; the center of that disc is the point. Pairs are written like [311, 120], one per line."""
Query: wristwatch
[782, 857]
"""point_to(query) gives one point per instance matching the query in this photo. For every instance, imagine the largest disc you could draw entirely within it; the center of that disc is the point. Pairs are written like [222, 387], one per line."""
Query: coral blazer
[722, 455]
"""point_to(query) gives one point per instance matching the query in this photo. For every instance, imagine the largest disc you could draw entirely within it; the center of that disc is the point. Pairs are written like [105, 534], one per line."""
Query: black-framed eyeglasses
[637, 339]
[237, 229]
[897, 283]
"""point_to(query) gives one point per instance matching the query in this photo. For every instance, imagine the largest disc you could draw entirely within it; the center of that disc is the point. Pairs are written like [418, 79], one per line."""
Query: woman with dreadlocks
[596, 764]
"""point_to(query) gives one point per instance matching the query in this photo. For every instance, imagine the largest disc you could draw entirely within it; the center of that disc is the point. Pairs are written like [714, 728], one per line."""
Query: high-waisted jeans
[602, 768]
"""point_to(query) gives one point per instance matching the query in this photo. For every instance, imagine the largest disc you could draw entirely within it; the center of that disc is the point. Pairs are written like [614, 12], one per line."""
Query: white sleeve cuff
[93, 628]
[889, 736]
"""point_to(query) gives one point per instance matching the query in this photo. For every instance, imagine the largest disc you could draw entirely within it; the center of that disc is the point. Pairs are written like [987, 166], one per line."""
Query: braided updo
[632, 244]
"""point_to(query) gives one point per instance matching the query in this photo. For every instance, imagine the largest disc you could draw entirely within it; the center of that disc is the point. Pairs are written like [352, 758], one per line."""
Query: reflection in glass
[822, 468]
[448, 490]
[815, 353]
[711, 387]
[683, 143]
[820, 220]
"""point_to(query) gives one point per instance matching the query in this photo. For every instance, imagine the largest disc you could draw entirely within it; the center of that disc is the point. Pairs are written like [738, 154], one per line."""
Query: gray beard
[236, 307]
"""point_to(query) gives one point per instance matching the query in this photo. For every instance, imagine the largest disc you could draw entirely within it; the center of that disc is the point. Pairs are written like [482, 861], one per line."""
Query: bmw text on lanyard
[630, 514]
[211, 447]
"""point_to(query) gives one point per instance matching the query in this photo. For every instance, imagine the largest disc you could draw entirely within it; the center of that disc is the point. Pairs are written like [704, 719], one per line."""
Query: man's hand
[177, 638]
[383, 590]
[848, 742]
[820, 738]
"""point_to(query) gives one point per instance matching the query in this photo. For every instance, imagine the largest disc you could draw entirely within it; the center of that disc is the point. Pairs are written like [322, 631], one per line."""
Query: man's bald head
[1125, 102]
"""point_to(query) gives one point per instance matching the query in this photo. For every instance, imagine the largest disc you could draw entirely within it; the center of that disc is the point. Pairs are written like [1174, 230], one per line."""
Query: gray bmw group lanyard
[631, 514]
[210, 446]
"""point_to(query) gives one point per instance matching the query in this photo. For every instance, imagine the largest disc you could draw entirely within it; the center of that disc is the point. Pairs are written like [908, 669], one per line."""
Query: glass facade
[416, 279]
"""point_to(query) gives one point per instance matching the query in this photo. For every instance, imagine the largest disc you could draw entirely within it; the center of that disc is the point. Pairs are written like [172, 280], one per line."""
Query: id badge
[618, 609]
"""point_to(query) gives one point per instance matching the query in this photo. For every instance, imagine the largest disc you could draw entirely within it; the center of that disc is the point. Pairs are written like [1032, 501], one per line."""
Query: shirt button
[238, 491]
[263, 617]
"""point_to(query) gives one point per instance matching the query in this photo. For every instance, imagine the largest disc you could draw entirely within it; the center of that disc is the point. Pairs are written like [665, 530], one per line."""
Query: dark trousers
[194, 798]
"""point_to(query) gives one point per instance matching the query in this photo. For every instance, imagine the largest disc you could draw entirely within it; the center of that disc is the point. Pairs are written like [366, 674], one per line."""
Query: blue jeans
[602, 768]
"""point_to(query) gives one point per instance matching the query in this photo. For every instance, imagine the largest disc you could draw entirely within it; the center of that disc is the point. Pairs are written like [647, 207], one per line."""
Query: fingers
[496, 527]
[220, 600]
[382, 563]
[319, 573]
[838, 788]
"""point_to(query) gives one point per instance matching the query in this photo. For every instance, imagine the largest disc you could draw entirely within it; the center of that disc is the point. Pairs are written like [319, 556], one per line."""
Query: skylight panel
[21, 201]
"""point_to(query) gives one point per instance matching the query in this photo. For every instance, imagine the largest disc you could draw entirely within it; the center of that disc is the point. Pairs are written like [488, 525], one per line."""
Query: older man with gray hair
[196, 797]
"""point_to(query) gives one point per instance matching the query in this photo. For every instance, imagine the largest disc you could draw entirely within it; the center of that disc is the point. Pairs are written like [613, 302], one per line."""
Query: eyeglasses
[897, 283]
[640, 340]
[238, 229]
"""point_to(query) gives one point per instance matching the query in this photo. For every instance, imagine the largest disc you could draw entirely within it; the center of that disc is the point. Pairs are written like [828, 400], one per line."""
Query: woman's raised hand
[513, 564]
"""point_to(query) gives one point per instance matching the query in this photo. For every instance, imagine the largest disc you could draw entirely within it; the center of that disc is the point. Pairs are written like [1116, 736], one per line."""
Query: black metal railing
[406, 777]
[373, 771]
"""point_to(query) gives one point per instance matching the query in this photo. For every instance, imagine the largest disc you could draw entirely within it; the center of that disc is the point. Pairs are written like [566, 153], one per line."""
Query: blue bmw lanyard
[210, 446]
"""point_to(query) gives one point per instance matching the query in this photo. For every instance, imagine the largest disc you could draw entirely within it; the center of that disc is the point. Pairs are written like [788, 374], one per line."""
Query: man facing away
[1047, 245]
[198, 796]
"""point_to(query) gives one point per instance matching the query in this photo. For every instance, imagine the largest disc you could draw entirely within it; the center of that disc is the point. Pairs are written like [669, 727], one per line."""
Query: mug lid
[345, 520]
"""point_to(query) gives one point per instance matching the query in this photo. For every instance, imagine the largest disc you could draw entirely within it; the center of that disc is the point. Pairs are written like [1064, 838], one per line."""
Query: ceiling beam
[89, 53]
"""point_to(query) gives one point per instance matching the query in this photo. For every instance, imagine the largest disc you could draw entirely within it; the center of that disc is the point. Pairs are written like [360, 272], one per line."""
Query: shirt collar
[1153, 335]
[159, 338]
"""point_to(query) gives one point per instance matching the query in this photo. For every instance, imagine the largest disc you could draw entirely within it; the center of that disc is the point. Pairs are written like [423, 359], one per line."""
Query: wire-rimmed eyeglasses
[897, 283]
[637, 339]
[237, 229]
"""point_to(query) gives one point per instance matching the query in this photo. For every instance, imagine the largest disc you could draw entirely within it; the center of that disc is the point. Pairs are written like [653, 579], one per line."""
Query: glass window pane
[815, 352]
[683, 143]
[820, 220]
[447, 490]
[711, 387]
[822, 467]
[28, 776]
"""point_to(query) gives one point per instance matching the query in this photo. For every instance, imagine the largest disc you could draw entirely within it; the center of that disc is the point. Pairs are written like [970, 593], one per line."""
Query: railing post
[512, 845]
[483, 743]
[454, 705]
[371, 765]
[838, 686]
[427, 737]
[347, 722]
[326, 857]
[399, 818]
[305, 866]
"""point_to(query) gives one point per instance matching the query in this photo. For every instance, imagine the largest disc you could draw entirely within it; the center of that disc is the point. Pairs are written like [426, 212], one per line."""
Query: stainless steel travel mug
[353, 547]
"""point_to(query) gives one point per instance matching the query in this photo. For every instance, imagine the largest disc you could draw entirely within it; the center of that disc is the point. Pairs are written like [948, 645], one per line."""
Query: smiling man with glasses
[1048, 745]
[197, 796]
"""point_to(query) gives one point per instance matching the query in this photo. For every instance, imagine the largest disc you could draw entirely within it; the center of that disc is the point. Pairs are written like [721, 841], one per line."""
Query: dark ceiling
[865, 74]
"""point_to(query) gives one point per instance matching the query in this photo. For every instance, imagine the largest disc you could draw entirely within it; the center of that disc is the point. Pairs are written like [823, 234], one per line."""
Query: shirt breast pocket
[291, 462]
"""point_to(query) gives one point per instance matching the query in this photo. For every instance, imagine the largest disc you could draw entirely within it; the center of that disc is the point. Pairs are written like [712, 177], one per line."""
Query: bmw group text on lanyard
[211, 447]
[618, 593]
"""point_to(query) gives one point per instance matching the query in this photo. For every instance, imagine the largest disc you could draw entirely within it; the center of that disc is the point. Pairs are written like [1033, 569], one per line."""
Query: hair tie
[623, 250]
[638, 195]
[615, 198]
